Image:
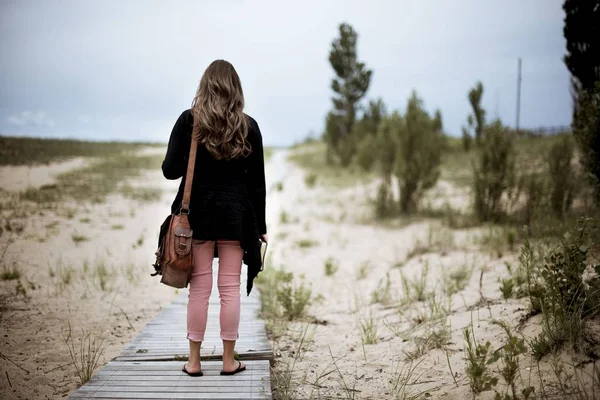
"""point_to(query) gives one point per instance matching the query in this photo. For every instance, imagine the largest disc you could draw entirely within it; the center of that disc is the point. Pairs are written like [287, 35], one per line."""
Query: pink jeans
[230, 267]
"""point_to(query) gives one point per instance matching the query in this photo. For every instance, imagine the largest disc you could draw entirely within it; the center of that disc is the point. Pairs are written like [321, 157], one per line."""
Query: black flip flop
[199, 373]
[239, 369]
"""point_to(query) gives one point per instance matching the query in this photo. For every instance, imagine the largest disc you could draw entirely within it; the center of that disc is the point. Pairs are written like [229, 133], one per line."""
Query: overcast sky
[126, 69]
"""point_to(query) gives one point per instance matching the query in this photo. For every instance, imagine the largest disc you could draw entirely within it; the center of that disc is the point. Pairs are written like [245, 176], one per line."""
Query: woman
[227, 210]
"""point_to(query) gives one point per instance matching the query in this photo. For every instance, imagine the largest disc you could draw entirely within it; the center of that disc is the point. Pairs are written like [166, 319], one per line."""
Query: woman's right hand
[264, 238]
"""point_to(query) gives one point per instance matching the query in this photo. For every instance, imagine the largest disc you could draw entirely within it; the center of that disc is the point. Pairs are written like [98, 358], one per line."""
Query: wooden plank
[167, 379]
[146, 369]
[165, 337]
[170, 396]
[158, 388]
[144, 380]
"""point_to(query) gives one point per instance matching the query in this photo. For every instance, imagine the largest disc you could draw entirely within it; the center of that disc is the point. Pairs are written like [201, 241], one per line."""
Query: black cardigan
[228, 196]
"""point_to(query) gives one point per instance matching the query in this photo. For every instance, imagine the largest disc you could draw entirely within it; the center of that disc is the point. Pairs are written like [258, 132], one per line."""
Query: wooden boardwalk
[149, 367]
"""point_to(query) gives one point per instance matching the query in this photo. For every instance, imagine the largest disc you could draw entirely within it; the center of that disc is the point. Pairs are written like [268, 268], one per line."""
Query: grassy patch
[306, 243]
[416, 289]
[331, 266]
[97, 180]
[439, 240]
[403, 382]
[142, 194]
[498, 240]
[268, 153]
[457, 279]
[363, 270]
[9, 274]
[457, 164]
[21, 150]
[383, 293]
[310, 180]
[85, 355]
[479, 357]
[311, 157]
[78, 238]
[283, 296]
[436, 337]
[368, 330]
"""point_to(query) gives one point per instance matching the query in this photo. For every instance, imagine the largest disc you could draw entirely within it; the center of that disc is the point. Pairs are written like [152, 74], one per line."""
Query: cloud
[38, 118]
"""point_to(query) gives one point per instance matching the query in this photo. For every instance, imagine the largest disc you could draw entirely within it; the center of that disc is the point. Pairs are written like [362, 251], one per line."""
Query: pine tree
[582, 34]
[478, 116]
[350, 86]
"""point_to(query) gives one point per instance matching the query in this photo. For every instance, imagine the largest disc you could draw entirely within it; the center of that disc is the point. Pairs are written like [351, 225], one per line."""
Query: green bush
[310, 180]
[479, 357]
[561, 176]
[494, 172]
[418, 158]
[366, 152]
[567, 298]
[331, 266]
[293, 297]
[533, 187]
[467, 140]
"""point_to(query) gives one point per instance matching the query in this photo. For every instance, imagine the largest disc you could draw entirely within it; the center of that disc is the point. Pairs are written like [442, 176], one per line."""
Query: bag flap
[182, 231]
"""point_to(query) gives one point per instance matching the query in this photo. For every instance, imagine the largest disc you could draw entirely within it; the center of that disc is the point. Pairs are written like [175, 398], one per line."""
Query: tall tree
[350, 85]
[475, 120]
[582, 34]
[478, 116]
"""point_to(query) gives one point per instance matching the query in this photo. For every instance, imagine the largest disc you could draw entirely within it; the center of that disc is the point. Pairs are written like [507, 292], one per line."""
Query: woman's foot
[192, 369]
[233, 368]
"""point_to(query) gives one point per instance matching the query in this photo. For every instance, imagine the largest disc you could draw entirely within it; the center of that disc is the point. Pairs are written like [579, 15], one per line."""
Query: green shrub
[479, 357]
[331, 266]
[467, 140]
[494, 172]
[282, 297]
[293, 297]
[384, 201]
[509, 355]
[366, 152]
[310, 180]
[567, 298]
[420, 144]
[306, 243]
[533, 187]
[9, 274]
[562, 176]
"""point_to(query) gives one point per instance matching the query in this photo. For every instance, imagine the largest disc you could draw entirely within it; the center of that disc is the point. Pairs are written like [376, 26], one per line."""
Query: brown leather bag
[174, 259]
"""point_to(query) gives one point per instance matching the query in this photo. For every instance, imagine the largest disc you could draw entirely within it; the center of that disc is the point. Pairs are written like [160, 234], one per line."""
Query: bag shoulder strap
[189, 177]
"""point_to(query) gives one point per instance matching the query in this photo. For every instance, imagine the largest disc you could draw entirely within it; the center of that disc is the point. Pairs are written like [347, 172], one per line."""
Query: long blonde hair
[219, 120]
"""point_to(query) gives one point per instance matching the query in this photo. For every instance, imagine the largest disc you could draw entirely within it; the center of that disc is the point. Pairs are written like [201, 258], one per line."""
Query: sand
[62, 284]
[85, 269]
[87, 265]
[332, 362]
[20, 177]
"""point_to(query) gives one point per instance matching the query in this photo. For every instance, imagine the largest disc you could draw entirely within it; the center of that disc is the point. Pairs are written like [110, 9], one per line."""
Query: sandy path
[20, 177]
[87, 265]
